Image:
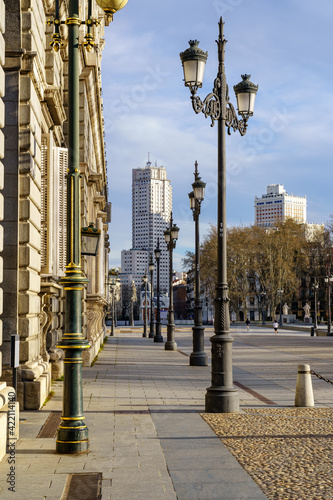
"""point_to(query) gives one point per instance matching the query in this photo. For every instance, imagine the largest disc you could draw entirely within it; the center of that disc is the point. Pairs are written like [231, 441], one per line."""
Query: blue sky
[286, 46]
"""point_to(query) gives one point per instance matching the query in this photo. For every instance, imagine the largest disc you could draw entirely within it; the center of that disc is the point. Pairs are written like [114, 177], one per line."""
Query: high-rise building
[151, 209]
[278, 205]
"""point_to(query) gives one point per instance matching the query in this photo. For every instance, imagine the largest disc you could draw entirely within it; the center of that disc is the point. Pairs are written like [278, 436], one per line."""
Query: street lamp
[329, 280]
[198, 357]
[171, 236]
[113, 274]
[72, 435]
[158, 336]
[90, 237]
[221, 396]
[151, 270]
[133, 299]
[263, 307]
[145, 280]
[315, 287]
[280, 293]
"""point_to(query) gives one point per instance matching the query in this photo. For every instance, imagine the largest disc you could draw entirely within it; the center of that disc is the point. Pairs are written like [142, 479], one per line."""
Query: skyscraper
[278, 205]
[151, 209]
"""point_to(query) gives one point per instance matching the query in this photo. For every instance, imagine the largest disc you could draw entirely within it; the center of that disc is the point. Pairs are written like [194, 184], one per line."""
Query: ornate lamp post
[158, 336]
[72, 436]
[171, 236]
[329, 281]
[151, 270]
[222, 396]
[145, 280]
[113, 273]
[263, 307]
[280, 293]
[198, 357]
[315, 287]
[133, 299]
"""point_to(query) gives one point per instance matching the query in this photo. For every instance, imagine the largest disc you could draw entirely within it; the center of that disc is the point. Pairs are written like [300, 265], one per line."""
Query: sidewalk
[147, 438]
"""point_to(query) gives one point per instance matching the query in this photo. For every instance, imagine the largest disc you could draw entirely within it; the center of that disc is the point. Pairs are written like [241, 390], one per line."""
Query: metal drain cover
[85, 486]
[50, 427]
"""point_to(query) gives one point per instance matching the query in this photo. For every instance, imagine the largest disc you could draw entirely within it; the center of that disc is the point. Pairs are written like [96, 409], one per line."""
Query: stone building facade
[34, 191]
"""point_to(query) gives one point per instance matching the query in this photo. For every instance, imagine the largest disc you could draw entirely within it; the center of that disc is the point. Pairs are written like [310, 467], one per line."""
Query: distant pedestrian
[275, 326]
[247, 324]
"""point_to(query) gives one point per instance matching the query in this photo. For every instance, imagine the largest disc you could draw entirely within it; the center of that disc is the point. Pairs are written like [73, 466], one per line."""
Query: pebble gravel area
[288, 452]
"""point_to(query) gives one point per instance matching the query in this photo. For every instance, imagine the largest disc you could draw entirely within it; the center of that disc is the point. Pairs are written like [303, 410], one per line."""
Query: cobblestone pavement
[287, 451]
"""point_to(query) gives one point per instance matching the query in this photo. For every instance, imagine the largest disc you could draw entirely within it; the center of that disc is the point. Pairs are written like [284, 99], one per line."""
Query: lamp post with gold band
[72, 436]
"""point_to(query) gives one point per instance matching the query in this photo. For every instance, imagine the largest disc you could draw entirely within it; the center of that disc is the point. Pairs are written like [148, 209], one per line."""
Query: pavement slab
[143, 409]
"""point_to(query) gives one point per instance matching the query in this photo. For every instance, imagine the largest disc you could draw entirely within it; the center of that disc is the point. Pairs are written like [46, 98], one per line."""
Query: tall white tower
[151, 210]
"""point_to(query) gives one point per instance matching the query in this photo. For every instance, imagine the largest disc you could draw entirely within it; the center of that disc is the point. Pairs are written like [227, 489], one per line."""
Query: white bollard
[304, 392]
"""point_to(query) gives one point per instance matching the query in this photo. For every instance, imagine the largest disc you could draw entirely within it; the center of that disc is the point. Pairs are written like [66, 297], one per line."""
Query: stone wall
[34, 215]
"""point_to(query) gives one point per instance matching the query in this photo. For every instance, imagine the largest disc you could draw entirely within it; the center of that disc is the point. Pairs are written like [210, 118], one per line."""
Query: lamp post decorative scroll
[198, 357]
[222, 396]
[171, 236]
[72, 434]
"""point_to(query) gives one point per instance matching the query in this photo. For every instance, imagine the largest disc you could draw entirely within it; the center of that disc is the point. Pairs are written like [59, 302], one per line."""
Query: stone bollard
[304, 392]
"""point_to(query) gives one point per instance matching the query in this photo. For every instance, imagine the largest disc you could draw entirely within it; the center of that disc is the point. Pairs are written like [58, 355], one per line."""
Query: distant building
[278, 205]
[151, 210]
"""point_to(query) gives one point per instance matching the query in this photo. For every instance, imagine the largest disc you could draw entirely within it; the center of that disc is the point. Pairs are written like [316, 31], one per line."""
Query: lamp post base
[72, 438]
[151, 332]
[144, 334]
[198, 356]
[198, 359]
[158, 337]
[221, 400]
[170, 345]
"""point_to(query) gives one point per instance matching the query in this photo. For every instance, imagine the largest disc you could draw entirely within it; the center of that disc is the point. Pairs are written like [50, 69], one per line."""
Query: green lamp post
[221, 396]
[72, 435]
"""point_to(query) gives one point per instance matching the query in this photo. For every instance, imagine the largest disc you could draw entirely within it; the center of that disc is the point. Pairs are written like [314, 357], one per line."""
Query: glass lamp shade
[192, 200]
[245, 93]
[113, 273]
[193, 60]
[151, 266]
[199, 189]
[111, 6]
[157, 252]
[167, 235]
[174, 232]
[145, 278]
[89, 240]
